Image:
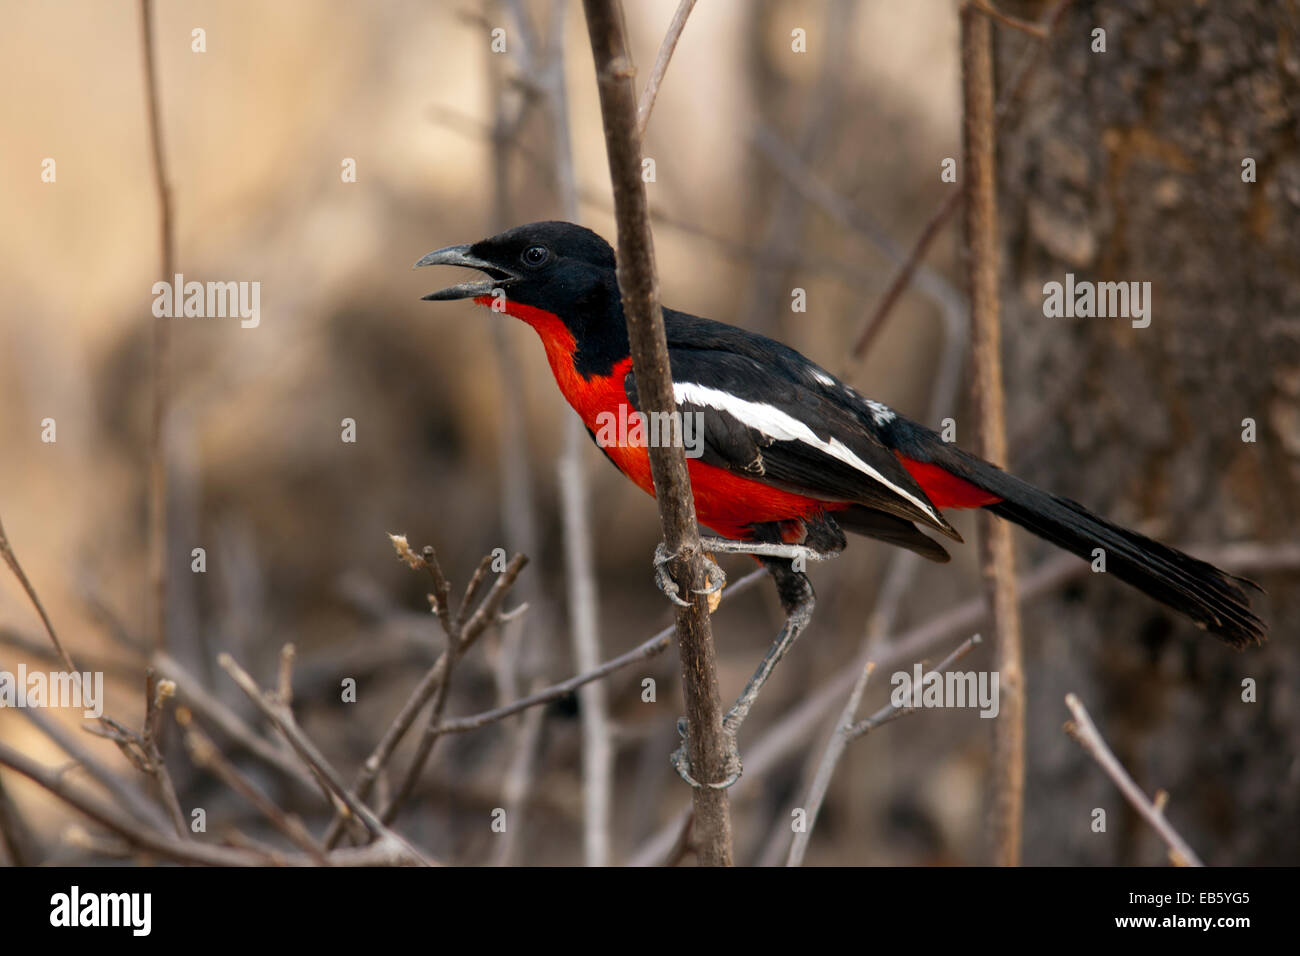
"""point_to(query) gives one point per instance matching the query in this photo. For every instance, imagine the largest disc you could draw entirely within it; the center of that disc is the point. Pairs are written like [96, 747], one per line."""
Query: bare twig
[1085, 732]
[206, 754]
[173, 848]
[517, 786]
[997, 555]
[644, 651]
[457, 641]
[161, 342]
[281, 716]
[11, 559]
[429, 684]
[1034, 30]
[575, 497]
[876, 321]
[16, 840]
[846, 732]
[666, 48]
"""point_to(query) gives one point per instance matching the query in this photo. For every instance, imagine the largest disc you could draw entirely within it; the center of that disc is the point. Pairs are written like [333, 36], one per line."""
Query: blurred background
[773, 170]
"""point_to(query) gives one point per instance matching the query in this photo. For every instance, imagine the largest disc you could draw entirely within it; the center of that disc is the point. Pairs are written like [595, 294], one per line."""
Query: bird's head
[556, 266]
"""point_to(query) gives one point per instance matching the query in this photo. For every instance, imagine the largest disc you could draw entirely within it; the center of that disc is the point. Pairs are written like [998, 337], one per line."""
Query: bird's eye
[535, 255]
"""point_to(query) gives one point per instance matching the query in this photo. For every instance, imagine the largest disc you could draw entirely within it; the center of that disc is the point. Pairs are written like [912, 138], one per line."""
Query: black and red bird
[792, 455]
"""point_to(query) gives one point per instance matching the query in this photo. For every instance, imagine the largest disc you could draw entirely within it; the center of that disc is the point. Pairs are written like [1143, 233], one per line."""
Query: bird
[791, 456]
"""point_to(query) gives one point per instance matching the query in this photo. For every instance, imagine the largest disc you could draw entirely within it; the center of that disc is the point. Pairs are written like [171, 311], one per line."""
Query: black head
[551, 265]
[560, 267]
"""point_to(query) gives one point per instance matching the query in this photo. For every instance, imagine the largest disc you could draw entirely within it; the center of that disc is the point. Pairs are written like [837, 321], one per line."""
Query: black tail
[1212, 598]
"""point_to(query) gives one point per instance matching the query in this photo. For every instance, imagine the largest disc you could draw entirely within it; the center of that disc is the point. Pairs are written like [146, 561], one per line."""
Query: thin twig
[666, 48]
[208, 756]
[11, 559]
[876, 321]
[846, 732]
[488, 613]
[281, 716]
[638, 285]
[429, 684]
[1037, 31]
[1085, 732]
[173, 848]
[519, 782]
[161, 342]
[575, 498]
[644, 651]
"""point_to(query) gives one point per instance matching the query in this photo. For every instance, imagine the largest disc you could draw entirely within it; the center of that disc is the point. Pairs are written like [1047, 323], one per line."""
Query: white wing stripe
[774, 423]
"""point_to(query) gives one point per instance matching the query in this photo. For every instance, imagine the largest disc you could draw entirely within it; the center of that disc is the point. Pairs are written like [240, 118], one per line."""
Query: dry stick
[11, 559]
[161, 343]
[707, 747]
[1085, 732]
[488, 612]
[903, 278]
[208, 756]
[644, 651]
[812, 804]
[997, 556]
[996, 549]
[153, 766]
[1024, 26]
[666, 48]
[173, 848]
[846, 732]
[575, 497]
[192, 694]
[16, 838]
[117, 787]
[156, 694]
[423, 693]
[519, 782]
[281, 716]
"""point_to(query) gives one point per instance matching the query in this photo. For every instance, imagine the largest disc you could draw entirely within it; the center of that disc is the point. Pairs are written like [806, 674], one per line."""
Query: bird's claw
[664, 579]
[682, 763]
[717, 578]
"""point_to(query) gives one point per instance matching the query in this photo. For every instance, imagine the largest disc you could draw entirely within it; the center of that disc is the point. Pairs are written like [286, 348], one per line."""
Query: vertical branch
[579, 561]
[996, 556]
[161, 346]
[640, 293]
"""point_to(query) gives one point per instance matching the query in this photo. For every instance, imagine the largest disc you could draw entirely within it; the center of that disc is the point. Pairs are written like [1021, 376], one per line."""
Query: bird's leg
[798, 600]
[717, 580]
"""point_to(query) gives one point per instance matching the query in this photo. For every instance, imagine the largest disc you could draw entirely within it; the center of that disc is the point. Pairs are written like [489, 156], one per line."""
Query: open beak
[498, 278]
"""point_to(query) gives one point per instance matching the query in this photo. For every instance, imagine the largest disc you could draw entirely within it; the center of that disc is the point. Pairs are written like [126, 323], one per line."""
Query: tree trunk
[1127, 166]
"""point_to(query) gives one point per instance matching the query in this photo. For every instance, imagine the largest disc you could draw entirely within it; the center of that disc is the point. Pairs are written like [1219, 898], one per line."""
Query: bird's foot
[717, 579]
[682, 762]
[798, 554]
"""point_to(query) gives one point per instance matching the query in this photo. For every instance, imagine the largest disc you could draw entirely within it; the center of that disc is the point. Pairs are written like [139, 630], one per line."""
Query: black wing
[788, 433]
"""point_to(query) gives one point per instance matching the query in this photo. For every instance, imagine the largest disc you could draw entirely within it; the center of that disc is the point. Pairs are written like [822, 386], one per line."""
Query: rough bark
[1127, 166]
